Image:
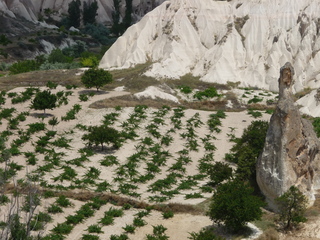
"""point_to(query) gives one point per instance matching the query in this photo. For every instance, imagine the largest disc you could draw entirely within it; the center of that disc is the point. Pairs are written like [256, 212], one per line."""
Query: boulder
[291, 152]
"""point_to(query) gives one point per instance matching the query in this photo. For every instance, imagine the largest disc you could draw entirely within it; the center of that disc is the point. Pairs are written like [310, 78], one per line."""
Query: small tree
[90, 12]
[248, 148]
[95, 77]
[44, 100]
[292, 206]
[102, 134]
[116, 26]
[219, 172]
[74, 13]
[234, 204]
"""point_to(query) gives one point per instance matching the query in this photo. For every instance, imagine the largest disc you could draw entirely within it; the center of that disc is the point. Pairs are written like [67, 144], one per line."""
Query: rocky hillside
[30, 10]
[225, 41]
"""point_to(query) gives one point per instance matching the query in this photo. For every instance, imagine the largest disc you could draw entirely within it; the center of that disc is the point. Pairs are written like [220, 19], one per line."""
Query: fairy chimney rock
[291, 152]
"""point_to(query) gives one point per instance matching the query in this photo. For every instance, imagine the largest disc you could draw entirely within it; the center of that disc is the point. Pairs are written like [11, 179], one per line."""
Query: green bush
[36, 127]
[119, 237]
[54, 208]
[139, 222]
[4, 199]
[94, 229]
[167, 214]
[234, 204]
[24, 66]
[63, 201]
[57, 56]
[247, 148]
[316, 125]
[207, 93]
[129, 228]
[107, 220]
[62, 228]
[89, 237]
[52, 85]
[185, 89]
[99, 32]
[255, 99]
[95, 77]
[44, 100]
[99, 135]
[292, 206]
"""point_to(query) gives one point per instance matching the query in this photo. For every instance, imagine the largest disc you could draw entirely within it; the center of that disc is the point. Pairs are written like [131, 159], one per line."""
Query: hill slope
[220, 41]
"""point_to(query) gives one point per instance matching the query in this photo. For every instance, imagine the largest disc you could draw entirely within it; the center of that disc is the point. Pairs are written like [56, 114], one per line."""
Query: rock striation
[225, 41]
[30, 10]
[291, 152]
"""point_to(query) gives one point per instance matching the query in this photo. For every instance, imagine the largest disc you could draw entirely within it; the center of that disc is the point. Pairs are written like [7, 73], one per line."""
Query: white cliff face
[30, 9]
[220, 41]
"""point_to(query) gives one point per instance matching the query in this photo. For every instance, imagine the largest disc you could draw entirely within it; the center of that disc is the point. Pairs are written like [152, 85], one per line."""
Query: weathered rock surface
[291, 152]
[225, 41]
[30, 10]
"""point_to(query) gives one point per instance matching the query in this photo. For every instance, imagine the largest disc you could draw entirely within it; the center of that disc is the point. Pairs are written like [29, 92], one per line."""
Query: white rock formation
[291, 154]
[30, 9]
[221, 41]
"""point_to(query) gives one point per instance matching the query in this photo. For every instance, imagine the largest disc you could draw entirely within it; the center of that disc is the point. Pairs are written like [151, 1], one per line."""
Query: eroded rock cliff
[291, 152]
[225, 41]
[30, 10]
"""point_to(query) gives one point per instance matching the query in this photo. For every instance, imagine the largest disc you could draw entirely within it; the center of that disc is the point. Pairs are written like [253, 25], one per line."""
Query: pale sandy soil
[180, 225]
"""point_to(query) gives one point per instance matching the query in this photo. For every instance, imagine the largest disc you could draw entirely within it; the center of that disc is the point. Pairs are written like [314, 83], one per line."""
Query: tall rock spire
[291, 152]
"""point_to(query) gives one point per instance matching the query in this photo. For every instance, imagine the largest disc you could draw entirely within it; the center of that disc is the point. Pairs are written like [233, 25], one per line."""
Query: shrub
[255, 99]
[83, 97]
[292, 206]
[167, 214]
[247, 149]
[255, 114]
[54, 208]
[63, 201]
[4, 199]
[234, 205]
[89, 237]
[57, 56]
[119, 237]
[207, 93]
[218, 173]
[103, 134]
[96, 78]
[139, 222]
[107, 220]
[62, 228]
[51, 85]
[204, 234]
[185, 89]
[35, 127]
[7, 112]
[129, 228]
[316, 125]
[94, 229]
[91, 62]
[99, 32]
[24, 66]
[158, 233]
[44, 100]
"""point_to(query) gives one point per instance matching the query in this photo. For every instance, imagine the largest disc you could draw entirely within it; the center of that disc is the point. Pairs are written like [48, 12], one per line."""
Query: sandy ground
[180, 225]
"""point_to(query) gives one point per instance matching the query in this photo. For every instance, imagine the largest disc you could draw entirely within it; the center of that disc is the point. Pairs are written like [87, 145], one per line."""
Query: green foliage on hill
[100, 135]
[44, 100]
[292, 206]
[247, 149]
[234, 204]
[96, 78]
